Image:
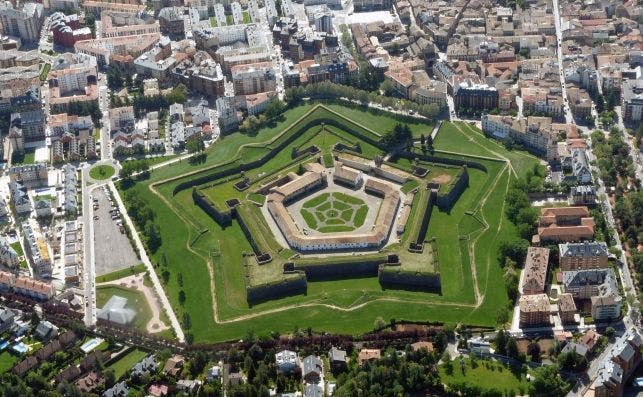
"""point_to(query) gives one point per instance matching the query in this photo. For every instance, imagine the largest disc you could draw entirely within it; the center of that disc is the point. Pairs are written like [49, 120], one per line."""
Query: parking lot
[112, 248]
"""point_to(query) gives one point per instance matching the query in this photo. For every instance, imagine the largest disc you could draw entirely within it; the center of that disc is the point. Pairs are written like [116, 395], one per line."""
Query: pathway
[148, 264]
[136, 281]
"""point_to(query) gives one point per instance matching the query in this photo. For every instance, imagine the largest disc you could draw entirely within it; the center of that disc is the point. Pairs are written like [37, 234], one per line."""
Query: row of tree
[84, 108]
[329, 90]
[613, 155]
[141, 213]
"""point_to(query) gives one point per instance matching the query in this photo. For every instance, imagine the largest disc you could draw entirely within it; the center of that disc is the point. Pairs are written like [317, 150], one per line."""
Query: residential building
[67, 29]
[580, 167]
[632, 100]
[575, 347]
[70, 182]
[534, 310]
[609, 380]
[121, 119]
[367, 355]
[145, 367]
[28, 119]
[584, 284]
[171, 21]
[201, 74]
[123, 23]
[535, 272]
[7, 318]
[580, 103]
[122, 48]
[474, 96]
[581, 256]
[567, 308]
[228, 118]
[286, 361]
[537, 134]
[32, 288]
[590, 339]
[45, 331]
[157, 62]
[255, 103]
[372, 5]
[583, 195]
[606, 308]
[8, 256]
[37, 249]
[337, 359]
[118, 390]
[35, 174]
[24, 23]
[565, 224]
[253, 78]
[312, 369]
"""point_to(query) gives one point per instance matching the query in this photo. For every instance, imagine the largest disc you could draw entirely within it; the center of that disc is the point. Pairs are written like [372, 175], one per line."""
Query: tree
[533, 349]
[547, 382]
[110, 377]
[195, 144]
[181, 297]
[512, 348]
[429, 143]
[388, 87]
[275, 108]
[153, 236]
[610, 332]
[501, 342]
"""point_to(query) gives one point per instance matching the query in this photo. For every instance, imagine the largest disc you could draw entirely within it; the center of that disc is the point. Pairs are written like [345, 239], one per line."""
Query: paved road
[103, 102]
[88, 243]
[158, 288]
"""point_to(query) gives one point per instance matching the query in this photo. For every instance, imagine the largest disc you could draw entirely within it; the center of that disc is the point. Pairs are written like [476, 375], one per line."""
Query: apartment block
[582, 256]
[253, 78]
[534, 310]
[632, 100]
[567, 308]
[537, 134]
[24, 23]
[535, 272]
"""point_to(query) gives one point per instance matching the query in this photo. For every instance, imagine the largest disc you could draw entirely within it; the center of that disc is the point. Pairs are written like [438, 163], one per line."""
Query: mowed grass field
[361, 300]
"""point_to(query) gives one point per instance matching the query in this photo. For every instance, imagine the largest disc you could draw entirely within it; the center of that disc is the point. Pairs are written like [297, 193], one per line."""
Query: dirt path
[500, 156]
[136, 282]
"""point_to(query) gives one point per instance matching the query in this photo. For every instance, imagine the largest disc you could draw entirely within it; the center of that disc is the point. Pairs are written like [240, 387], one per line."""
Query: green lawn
[18, 248]
[45, 71]
[246, 17]
[213, 22]
[7, 361]
[487, 375]
[135, 300]
[125, 363]
[29, 157]
[118, 274]
[229, 20]
[483, 197]
[101, 172]
[151, 160]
